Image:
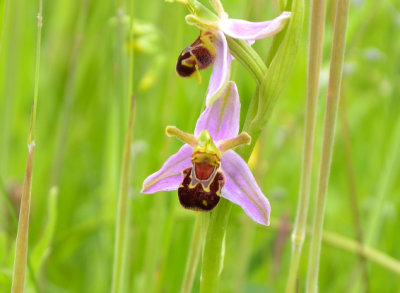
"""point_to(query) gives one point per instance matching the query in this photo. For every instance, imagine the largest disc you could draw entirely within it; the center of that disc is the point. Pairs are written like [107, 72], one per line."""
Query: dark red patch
[197, 198]
[203, 170]
[196, 54]
[185, 70]
[203, 57]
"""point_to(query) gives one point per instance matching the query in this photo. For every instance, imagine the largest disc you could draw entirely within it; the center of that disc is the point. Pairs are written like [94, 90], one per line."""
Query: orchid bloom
[205, 167]
[211, 46]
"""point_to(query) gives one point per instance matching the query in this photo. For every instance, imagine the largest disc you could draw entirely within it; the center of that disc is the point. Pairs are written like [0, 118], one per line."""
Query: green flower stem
[317, 24]
[214, 248]
[193, 258]
[21, 249]
[123, 197]
[335, 77]
[248, 57]
[273, 81]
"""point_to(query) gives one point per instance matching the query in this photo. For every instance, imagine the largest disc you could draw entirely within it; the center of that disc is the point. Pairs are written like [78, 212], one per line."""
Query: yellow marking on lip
[204, 202]
[201, 157]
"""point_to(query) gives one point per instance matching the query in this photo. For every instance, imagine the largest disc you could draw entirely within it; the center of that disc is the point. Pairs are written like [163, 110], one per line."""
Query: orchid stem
[213, 255]
[335, 78]
[317, 24]
[193, 258]
[21, 249]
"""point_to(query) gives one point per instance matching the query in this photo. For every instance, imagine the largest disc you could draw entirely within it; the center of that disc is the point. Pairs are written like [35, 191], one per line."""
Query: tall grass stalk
[21, 249]
[317, 25]
[123, 210]
[123, 197]
[335, 78]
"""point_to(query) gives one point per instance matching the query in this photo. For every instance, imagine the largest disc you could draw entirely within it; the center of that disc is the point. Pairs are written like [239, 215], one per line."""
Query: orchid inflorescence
[206, 168]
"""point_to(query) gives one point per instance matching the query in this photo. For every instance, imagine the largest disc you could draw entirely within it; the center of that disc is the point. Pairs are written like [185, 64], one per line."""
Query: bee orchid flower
[211, 46]
[206, 168]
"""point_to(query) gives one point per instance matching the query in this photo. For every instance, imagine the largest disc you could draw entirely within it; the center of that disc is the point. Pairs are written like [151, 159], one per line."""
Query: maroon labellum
[201, 187]
[197, 56]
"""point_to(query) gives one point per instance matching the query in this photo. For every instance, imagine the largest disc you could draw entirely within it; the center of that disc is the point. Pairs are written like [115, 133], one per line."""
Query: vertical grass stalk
[21, 249]
[335, 78]
[317, 24]
[123, 197]
[123, 211]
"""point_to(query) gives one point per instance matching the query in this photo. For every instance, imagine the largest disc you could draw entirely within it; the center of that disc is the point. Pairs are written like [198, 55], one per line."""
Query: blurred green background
[82, 118]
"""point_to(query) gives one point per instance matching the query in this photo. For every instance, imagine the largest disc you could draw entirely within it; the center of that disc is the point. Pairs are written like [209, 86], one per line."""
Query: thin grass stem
[123, 197]
[353, 246]
[335, 78]
[21, 249]
[317, 25]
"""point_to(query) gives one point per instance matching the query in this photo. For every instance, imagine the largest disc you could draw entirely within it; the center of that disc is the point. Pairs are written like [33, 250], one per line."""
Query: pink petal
[241, 188]
[221, 119]
[250, 31]
[221, 69]
[169, 177]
